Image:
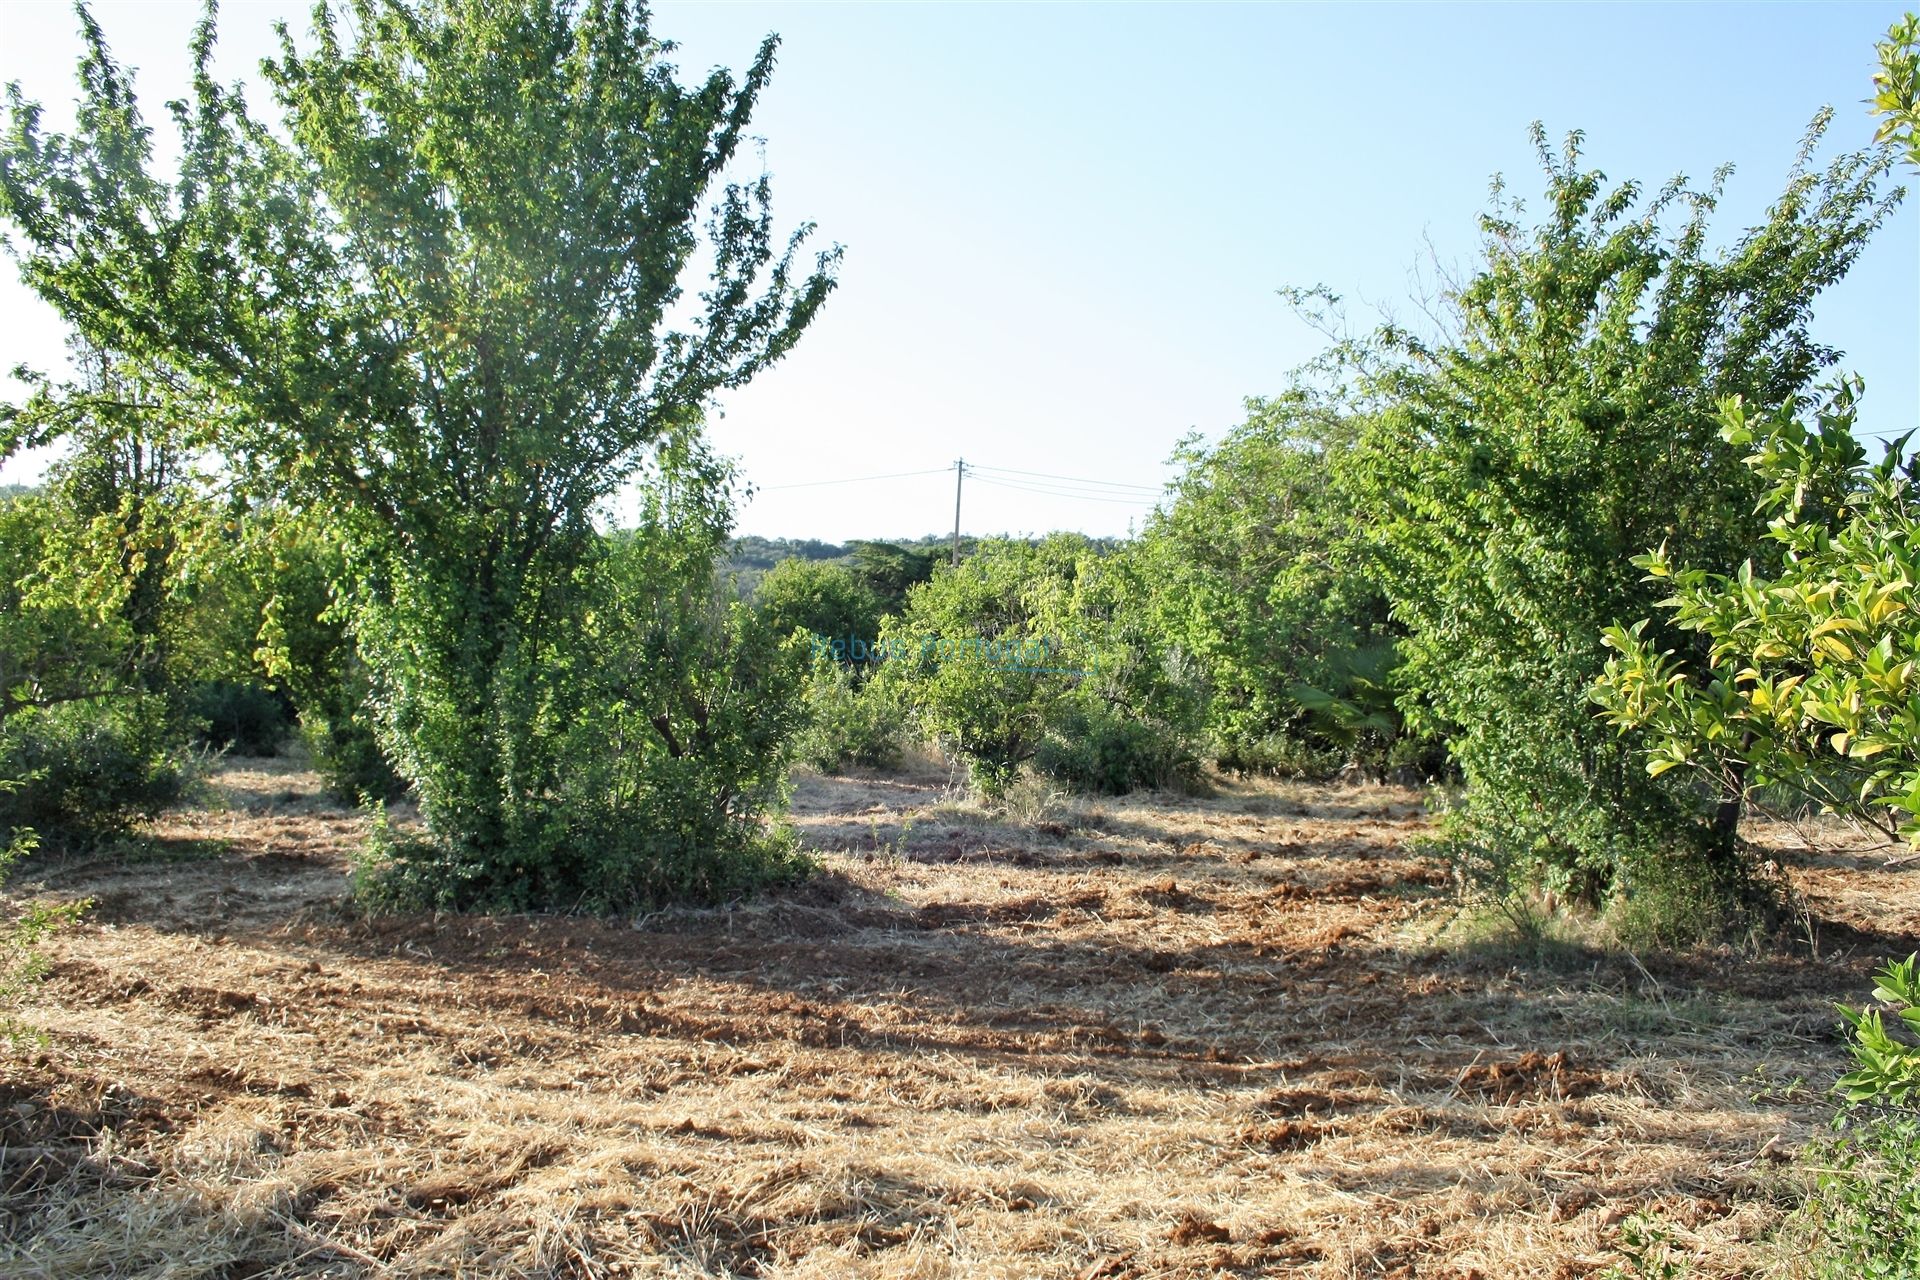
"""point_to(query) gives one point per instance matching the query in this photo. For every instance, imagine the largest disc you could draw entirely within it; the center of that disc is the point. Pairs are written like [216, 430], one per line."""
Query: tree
[1042, 652]
[1896, 88]
[1521, 462]
[1259, 576]
[890, 570]
[821, 598]
[437, 299]
[974, 656]
[85, 744]
[1810, 675]
[1811, 678]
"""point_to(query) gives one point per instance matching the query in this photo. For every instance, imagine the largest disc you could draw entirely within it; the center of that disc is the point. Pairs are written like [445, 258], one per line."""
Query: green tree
[890, 570]
[1805, 677]
[1042, 652]
[679, 742]
[1811, 676]
[85, 744]
[819, 597]
[437, 298]
[1259, 575]
[1134, 710]
[1568, 422]
[973, 654]
[1896, 88]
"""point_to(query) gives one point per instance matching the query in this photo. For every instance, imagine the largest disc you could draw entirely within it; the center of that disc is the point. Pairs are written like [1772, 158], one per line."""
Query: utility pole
[959, 473]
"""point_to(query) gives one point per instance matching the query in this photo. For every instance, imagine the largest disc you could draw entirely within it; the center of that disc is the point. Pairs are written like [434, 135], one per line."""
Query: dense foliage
[679, 740]
[435, 302]
[1259, 579]
[1568, 422]
[1038, 651]
[1810, 683]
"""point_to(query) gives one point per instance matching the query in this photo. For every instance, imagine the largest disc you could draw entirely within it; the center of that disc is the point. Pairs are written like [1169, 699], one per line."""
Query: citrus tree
[1810, 680]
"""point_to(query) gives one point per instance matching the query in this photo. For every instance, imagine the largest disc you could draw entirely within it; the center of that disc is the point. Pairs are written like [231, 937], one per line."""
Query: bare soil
[1242, 1035]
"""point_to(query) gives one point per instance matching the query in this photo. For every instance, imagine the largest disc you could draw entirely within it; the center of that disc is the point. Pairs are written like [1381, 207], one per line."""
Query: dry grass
[1144, 1037]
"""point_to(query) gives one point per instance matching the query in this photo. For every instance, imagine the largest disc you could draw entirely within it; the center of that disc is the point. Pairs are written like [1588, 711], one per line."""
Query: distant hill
[751, 556]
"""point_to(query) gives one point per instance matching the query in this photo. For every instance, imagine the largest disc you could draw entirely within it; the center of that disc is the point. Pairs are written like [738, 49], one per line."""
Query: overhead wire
[895, 475]
[1076, 480]
[1137, 501]
[1040, 483]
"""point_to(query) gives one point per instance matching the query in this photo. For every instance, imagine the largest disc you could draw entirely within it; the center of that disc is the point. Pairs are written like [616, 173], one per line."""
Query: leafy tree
[1259, 574]
[1520, 462]
[436, 299]
[680, 740]
[1811, 678]
[890, 570]
[819, 597]
[974, 656]
[1041, 652]
[1896, 88]
[84, 745]
[1134, 712]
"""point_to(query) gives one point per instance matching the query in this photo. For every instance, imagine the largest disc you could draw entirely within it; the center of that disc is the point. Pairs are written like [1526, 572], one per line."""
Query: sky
[1066, 225]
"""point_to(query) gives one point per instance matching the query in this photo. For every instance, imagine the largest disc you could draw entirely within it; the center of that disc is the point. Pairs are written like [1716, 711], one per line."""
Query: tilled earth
[1249, 1034]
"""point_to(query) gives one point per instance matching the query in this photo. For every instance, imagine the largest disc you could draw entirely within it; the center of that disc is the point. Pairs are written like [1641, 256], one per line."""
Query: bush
[1095, 751]
[849, 720]
[1863, 1218]
[1256, 572]
[820, 598]
[1566, 425]
[89, 769]
[981, 653]
[240, 716]
[1800, 681]
[669, 741]
[346, 754]
[1280, 755]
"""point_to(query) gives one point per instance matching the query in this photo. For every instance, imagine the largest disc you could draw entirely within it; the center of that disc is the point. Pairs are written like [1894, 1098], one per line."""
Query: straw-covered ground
[1146, 1037]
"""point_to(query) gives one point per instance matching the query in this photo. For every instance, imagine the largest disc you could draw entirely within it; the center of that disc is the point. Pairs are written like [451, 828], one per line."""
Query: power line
[1065, 489]
[896, 475]
[1061, 493]
[1044, 475]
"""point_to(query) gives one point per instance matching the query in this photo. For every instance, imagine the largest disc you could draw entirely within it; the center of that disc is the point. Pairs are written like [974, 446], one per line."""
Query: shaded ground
[1123, 1039]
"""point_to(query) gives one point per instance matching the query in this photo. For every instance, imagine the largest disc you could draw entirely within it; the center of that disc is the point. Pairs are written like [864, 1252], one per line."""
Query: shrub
[1281, 755]
[1568, 423]
[240, 716]
[1805, 679]
[305, 648]
[681, 714]
[346, 753]
[89, 768]
[1863, 1217]
[820, 598]
[1256, 572]
[849, 720]
[1095, 751]
[981, 653]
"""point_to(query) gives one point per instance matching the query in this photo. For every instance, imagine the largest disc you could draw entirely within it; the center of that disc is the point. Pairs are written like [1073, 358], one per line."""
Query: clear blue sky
[1065, 224]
